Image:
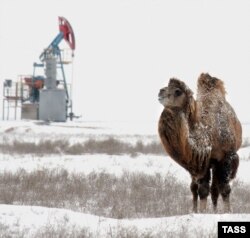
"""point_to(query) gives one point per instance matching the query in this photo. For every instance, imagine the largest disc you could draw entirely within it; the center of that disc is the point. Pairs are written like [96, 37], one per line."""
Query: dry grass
[240, 198]
[129, 196]
[132, 195]
[62, 230]
[109, 146]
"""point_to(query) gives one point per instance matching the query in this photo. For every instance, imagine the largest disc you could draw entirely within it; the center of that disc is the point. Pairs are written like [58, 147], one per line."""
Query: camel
[201, 135]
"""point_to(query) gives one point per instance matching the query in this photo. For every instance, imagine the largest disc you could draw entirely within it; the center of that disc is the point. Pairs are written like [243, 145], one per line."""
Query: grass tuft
[130, 196]
[109, 146]
[133, 195]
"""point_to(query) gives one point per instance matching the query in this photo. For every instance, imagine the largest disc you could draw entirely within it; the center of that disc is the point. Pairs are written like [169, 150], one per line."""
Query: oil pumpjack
[54, 102]
[46, 97]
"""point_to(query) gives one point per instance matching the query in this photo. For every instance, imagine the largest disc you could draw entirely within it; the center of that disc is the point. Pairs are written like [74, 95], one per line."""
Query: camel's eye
[177, 92]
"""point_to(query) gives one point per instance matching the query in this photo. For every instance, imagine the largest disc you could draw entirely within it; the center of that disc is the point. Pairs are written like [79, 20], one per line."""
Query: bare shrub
[183, 231]
[240, 197]
[109, 146]
[132, 195]
[3, 230]
[60, 230]
[129, 196]
[8, 232]
[43, 147]
[129, 232]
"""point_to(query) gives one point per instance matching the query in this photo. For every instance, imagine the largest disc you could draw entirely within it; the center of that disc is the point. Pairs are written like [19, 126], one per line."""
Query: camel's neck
[174, 134]
[184, 140]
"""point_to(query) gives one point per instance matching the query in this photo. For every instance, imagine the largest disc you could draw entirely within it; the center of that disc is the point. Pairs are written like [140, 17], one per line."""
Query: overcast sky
[126, 50]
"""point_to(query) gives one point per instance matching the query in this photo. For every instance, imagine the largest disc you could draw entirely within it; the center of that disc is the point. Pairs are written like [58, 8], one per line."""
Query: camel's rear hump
[218, 116]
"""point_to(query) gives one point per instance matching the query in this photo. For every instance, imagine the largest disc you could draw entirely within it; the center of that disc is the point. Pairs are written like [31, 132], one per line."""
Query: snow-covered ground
[29, 219]
[33, 131]
[32, 218]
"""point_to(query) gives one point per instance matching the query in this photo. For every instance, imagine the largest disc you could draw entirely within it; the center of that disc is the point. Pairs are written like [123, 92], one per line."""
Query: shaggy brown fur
[187, 132]
[225, 134]
[178, 129]
[183, 136]
[218, 116]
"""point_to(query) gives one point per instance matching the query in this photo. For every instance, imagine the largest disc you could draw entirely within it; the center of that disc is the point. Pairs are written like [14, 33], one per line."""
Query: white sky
[126, 50]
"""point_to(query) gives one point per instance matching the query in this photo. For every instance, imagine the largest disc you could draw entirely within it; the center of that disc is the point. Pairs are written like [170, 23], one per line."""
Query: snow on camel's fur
[201, 135]
[225, 134]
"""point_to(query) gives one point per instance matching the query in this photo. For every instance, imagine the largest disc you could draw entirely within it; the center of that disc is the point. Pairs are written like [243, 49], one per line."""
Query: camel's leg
[227, 170]
[203, 190]
[225, 191]
[194, 190]
[214, 189]
[234, 158]
[203, 205]
[214, 195]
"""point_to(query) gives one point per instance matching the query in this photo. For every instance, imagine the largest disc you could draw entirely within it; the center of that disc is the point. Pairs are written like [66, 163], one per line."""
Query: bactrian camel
[201, 135]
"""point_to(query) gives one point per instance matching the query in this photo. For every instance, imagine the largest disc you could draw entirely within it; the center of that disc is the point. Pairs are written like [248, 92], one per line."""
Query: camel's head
[207, 83]
[175, 95]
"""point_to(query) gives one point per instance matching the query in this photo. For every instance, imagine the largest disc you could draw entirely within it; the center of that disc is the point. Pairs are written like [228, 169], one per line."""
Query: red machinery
[66, 33]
